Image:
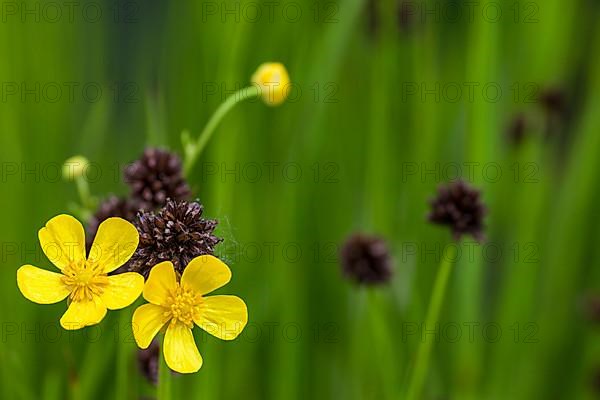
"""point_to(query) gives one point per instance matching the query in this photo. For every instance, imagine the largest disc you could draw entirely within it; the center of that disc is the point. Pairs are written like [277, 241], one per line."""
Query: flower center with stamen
[85, 280]
[183, 304]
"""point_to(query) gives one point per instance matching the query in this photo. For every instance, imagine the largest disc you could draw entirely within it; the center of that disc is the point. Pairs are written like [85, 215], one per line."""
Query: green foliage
[375, 123]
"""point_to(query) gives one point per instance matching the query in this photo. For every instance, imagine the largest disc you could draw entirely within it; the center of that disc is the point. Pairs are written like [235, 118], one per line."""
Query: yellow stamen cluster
[183, 305]
[84, 280]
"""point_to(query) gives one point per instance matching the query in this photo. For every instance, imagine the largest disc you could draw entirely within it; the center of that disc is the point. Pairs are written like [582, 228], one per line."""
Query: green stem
[123, 352]
[193, 150]
[164, 378]
[83, 189]
[88, 203]
[433, 312]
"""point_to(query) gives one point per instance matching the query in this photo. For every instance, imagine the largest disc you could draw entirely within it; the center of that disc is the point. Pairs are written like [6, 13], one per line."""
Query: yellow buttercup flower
[84, 280]
[273, 81]
[178, 305]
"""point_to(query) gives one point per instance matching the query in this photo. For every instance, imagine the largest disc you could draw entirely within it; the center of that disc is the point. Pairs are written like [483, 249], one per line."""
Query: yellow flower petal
[41, 286]
[160, 282]
[83, 313]
[115, 243]
[63, 240]
[205, 274]
[147, 321]
[122, 290]
[223, 316]
[179, 348]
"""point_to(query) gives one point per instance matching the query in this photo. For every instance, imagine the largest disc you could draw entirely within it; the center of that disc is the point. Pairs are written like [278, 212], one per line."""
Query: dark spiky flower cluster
[366, 260]
[112, 206]
[156, 177]
[176, 233]
[148, 362]
[460, 207]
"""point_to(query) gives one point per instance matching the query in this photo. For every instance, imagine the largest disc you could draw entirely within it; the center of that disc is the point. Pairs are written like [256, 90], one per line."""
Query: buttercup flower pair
[173, 305]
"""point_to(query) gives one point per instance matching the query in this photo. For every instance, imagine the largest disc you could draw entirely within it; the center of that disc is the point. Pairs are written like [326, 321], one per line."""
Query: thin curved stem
[123, 353]
[433, 312]
[83, 189]
[164, 390]
[193, 150]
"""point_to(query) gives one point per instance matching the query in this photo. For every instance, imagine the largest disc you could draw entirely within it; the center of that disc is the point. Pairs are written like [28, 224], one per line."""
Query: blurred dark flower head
[156, 177]
[112, 206]
[517, 129]
[176, 233]
[553, 100]
[557, 112]
[591, 308]
[372, 18]
[148, 362]
[366, 260]
[595, 380]
[459, 206]
[407, 15]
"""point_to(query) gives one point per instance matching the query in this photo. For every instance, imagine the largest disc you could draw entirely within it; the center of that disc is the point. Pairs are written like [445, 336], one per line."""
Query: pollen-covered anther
[183, 306]
[85, 281]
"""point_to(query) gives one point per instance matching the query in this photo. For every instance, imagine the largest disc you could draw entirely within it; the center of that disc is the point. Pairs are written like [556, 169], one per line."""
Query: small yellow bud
[273, 81]
[74, 167]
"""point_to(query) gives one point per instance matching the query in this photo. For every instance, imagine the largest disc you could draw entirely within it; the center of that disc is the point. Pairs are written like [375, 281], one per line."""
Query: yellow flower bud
[273, 81]
[74, 167]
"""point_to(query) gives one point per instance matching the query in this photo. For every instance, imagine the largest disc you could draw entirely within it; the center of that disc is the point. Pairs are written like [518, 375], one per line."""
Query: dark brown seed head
[148, 362]
[366, 260]
[459, 206]
[176, 233]
[156, 177]
[112, 206]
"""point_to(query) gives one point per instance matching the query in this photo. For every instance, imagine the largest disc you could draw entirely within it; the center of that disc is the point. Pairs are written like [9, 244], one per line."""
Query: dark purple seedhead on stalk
[366, 260]
[156, 177]
[557, 111]
[176, 233]
[517, 129]
[148, 362]
[553, 100]
[459, 206]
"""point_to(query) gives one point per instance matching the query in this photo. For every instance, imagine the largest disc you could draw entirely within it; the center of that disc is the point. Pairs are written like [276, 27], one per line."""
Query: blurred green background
[391, 100]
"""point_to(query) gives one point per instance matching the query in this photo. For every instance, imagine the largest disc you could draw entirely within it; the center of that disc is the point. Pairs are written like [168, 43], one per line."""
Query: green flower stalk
[459, 207]
[433, 312]
[270, 82]
[164, 379]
